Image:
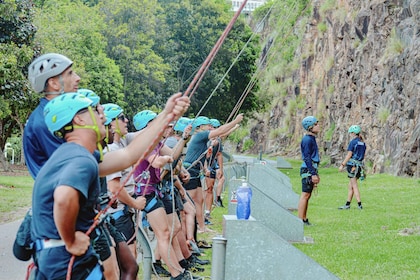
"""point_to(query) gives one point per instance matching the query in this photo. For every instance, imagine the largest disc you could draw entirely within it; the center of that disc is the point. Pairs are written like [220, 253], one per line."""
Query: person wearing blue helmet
[159, 211]
[309, 167]
[126, 205]
[354, 164]
[66, 189]
[195, 159]
[63, 205]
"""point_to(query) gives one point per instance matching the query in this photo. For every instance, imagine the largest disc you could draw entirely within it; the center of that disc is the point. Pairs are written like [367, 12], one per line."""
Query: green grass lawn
[379, 242]
[382, 241]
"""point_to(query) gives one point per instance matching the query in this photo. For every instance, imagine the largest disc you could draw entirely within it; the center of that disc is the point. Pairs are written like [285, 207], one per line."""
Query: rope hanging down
[206, 64]
[189, 92]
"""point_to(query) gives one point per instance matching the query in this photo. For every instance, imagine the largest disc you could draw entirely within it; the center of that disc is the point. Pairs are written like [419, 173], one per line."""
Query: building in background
[250, 6]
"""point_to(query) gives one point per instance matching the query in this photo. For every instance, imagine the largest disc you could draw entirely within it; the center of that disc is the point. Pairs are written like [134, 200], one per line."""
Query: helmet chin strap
[95, 127]
[117, 129]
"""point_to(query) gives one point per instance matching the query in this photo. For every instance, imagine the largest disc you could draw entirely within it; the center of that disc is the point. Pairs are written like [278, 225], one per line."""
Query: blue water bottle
[243, 208]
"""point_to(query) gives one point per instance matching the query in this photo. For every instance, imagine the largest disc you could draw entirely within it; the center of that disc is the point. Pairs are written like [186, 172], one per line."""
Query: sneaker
[183, 276]
[203, 244]
[218, 202]
[360, 207]
[344, 207]
[160, 270]
[194, 268]
[207, 222]
[194, 259]
[306, 222]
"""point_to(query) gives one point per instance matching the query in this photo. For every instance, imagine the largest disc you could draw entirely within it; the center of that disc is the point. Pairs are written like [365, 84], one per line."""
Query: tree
[195, 27]
[75, 30]
[130, 33]
[16, 52]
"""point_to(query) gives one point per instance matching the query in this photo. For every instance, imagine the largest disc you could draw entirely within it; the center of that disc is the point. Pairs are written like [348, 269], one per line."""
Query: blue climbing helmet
[91, 95]
[214, 123]
[308, 122]
[200, 121]
[181, 124]
[111, 111]
[60, 111]
[355, 129]
[141, 119]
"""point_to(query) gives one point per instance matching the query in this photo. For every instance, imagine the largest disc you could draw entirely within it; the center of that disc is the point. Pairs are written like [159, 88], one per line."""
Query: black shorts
[354, 171]
[125, 226]
[212, 173]
[307, 185]
[101, 242]
[193, 184]
[168, 202]
[153, 202]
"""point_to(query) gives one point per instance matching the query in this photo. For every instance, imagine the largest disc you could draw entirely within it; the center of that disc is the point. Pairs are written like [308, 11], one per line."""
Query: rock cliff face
[361, 68]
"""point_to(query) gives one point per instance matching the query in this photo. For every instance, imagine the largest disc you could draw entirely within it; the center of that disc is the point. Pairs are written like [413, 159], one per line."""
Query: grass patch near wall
[379, 242]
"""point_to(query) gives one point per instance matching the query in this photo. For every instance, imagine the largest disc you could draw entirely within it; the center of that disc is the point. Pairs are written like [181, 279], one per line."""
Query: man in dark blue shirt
[309, 167]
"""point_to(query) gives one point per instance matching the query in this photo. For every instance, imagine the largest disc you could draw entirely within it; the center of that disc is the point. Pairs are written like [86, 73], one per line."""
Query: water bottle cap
[244, 184]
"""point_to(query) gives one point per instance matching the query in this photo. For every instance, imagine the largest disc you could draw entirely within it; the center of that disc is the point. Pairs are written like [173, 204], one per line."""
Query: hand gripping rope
[189, 92]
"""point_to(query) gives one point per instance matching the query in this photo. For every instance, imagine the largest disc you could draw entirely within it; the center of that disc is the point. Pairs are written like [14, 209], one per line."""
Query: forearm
[66, 209]
[114, 186]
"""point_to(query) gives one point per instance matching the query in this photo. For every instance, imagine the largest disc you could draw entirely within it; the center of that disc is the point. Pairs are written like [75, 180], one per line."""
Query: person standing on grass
[354, 163]
[195, 160]
[309, 167]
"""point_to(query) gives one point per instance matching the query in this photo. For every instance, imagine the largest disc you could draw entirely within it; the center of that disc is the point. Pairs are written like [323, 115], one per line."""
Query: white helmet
[46, 66]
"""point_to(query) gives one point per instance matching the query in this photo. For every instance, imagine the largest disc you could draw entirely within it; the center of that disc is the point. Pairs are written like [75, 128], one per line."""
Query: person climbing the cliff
[354, 164]
[309, 167]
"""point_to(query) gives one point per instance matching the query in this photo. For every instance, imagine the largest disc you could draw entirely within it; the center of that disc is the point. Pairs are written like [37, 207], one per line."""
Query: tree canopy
[134, 53]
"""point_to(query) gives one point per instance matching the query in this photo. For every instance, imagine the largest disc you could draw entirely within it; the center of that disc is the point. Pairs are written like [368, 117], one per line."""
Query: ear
[53, 84]
[79, 119]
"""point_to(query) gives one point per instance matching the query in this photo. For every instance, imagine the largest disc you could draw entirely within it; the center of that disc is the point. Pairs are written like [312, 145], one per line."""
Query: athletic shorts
[101, 242]
[168, 202]
[125, 225]
[354, 171]
[193, 184]
[153, 202]
[212, 173]
[307, 185]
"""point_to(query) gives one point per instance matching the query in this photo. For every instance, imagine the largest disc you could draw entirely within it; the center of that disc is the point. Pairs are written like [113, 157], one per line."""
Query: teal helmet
[111, 112]
[181, 124]
[61, 110]
[355, 129]
[91, 95]
[309, 122]
[200, 121]
[214, 123]
[141, 119]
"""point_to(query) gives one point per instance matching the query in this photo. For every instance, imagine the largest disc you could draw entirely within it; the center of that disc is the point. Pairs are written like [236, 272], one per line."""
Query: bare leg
[197, 196]
[157, 220]
[111, 270]
[209, 193]
[303, 205]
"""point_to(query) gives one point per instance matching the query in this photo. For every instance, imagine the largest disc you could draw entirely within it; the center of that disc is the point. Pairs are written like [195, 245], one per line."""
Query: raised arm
[146, 140]
[226, 128]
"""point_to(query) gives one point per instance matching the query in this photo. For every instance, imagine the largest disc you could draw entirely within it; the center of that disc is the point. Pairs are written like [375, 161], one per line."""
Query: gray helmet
[46, 66]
